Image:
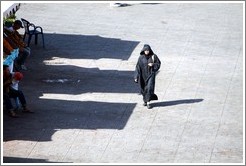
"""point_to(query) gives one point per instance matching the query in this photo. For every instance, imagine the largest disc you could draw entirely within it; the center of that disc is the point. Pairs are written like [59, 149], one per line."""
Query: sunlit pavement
[87, 106]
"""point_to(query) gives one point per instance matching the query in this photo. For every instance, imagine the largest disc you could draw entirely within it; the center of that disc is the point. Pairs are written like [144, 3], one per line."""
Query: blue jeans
[20, 60]
[17, 93]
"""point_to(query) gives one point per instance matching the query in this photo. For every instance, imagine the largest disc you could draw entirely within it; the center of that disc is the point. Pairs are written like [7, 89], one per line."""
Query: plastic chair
[30, 30]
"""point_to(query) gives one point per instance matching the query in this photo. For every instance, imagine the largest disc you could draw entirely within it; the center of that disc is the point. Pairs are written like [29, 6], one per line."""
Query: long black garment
[145, 74]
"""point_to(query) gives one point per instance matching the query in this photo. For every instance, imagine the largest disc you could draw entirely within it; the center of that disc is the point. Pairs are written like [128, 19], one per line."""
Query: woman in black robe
[147, 66]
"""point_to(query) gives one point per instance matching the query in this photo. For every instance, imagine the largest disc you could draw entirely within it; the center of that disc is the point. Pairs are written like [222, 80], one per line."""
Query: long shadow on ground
[26, 160]
[176, 102]
[52, 114]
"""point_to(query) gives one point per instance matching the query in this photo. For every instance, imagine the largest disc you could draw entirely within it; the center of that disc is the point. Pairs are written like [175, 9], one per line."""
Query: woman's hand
[150, 64]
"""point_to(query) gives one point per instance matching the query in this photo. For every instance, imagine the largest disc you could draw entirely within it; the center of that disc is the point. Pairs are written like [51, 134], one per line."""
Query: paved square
[87, 107]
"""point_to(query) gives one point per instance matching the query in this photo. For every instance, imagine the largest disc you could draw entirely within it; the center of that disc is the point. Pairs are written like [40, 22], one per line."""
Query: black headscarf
[146, 47]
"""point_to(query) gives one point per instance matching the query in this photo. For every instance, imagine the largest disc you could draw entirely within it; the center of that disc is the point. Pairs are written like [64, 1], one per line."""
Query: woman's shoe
[149, 106]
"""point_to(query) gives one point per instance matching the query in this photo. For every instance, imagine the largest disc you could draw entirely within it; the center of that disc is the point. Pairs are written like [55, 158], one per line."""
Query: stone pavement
[87, 107]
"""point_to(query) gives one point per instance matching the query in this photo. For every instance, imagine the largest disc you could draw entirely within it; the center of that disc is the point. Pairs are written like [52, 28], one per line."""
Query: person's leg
[9, 105]
[145, 98]
[145, 103]
[7, 101]
[150, 91]
[148, 105]
[17, 103]
[18, 93]
[22, 99]
[21, 59]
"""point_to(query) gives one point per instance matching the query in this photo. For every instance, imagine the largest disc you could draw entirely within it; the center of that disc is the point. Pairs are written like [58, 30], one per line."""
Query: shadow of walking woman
[176, 102]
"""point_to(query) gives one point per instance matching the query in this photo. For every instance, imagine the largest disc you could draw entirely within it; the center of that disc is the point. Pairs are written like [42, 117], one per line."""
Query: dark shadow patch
[26, 160]
[55, 114]
[176, 102]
